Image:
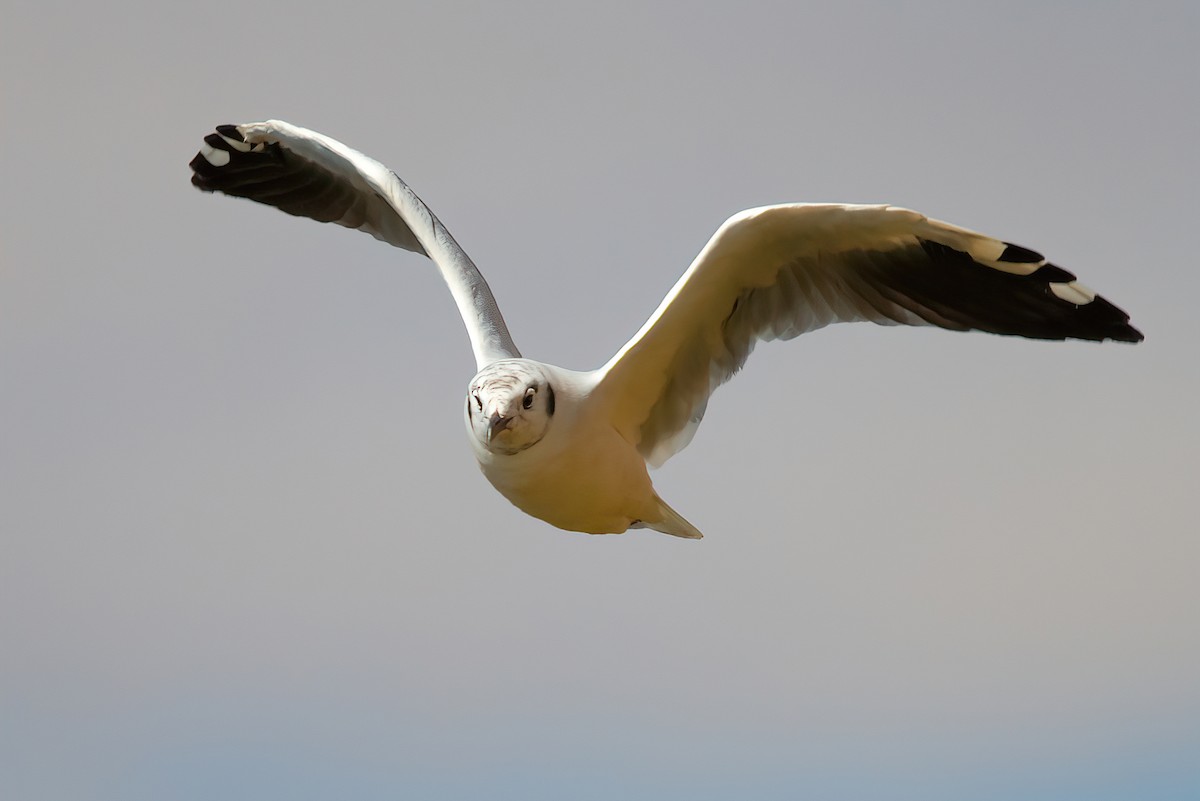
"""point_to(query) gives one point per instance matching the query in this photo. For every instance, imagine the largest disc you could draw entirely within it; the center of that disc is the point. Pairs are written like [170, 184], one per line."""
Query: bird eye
[528, 402]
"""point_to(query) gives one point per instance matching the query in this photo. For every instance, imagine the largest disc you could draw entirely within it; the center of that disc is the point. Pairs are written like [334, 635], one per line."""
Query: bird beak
[496, 424]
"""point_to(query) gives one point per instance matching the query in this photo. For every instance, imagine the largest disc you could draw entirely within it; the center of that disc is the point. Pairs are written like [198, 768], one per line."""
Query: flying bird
[572, 448]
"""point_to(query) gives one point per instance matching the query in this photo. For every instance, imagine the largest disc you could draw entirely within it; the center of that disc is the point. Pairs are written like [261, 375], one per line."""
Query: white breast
[582, 476]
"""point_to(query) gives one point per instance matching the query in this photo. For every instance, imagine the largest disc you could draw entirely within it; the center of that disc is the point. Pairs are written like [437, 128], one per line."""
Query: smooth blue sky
[245, 551]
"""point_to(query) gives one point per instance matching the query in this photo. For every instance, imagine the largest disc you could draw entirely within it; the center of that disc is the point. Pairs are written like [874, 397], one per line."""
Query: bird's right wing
[310, 175]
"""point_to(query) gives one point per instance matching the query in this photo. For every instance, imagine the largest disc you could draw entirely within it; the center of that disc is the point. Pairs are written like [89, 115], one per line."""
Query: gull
[572, 448]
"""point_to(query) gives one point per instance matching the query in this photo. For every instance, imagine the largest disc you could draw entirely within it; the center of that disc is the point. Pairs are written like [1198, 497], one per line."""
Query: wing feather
[306, 174]
[780, 271]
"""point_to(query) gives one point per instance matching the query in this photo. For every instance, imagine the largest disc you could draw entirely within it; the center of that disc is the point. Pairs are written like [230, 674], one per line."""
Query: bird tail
[672, 522]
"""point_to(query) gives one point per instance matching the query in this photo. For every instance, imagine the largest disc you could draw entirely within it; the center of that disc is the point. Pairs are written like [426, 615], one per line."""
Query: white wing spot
[1013, 267]
[1073, 292]
[215, 157]
[235, 144]
[985, 250]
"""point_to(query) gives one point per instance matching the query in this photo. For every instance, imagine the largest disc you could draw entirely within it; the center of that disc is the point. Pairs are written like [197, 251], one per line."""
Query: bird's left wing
[779, 271]
[307, 174]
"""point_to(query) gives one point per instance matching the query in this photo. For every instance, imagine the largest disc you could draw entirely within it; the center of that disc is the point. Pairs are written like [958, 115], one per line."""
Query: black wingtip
[1129, 334]
[1053, 273]
[204, 172]
[1106, 321]
[199, 167]
[1019, 255]
[963, 293]
[227, 161]
[217, 141]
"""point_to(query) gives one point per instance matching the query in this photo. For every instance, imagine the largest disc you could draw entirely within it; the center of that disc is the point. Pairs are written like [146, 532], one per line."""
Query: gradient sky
[245, 551]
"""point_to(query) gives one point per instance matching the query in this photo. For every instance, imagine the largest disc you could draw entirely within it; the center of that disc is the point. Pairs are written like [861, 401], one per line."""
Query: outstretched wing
[779, 271]
[310, 175]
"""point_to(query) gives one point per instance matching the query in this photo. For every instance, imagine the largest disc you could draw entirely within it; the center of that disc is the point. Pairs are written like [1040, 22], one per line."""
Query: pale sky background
[245, 552]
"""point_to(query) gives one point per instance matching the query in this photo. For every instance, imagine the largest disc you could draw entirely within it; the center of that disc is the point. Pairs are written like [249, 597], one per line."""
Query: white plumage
[572, 448]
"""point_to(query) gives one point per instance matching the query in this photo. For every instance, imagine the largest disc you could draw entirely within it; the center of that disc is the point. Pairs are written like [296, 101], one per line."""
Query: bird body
[598, 489]
[572, 448]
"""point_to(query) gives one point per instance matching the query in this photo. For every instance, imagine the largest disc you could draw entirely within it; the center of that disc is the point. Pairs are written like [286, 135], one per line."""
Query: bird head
[509, 406]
